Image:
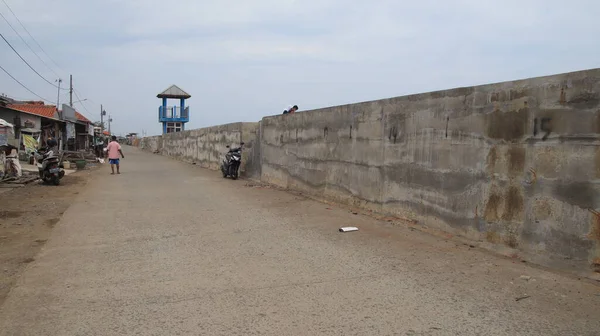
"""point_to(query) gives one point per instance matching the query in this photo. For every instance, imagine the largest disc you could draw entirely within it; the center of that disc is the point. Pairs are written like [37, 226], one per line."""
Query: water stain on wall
[584, 100]
[509, 126]
[516, 160]
[492, 205]
[493, 237]
[581, 194]
[595, 226]
[542, 209]
[513, 205]
[597, 162]
[491, 159]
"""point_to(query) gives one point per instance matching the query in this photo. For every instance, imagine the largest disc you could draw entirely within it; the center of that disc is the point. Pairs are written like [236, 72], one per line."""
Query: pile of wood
[80, 155]
[15, 182]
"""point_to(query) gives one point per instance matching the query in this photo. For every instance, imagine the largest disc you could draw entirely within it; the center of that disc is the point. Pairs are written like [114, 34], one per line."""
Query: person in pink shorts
[112, 152]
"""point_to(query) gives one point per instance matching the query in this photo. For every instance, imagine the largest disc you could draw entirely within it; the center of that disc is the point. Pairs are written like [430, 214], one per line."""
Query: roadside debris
[522, 297]
[12, 182]
[525, 277]
[348, 229]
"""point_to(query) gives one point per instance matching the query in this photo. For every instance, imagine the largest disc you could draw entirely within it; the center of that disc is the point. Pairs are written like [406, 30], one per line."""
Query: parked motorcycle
[49, 166]
[231, 164]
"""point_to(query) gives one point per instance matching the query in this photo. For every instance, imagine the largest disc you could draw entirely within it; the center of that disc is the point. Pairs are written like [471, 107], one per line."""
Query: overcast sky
[244, 59]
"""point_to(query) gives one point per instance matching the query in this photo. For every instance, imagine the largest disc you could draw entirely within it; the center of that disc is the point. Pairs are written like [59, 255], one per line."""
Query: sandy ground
[170, 249]
[27, 216]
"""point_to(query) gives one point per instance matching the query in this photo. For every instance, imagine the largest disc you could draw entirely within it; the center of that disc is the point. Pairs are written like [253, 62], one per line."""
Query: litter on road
[348, 229]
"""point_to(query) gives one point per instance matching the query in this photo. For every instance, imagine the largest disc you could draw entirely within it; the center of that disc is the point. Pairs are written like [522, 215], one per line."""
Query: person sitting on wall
[291, 109]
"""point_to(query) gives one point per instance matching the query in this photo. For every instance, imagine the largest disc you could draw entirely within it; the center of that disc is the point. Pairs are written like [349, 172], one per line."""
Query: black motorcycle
[231, 164]
[50, 166]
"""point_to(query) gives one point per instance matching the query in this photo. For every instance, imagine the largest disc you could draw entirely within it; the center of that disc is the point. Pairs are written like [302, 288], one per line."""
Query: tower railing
[168, 113]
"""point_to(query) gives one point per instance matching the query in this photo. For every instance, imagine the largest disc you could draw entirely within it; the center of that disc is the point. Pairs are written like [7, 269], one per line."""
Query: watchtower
[173, 117]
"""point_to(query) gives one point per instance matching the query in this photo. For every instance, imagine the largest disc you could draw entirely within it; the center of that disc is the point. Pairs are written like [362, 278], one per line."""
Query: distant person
[52, 144]
[291, 109]
[112, 152]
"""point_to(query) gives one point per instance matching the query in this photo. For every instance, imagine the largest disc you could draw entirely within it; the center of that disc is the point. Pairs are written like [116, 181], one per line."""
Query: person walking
[112, 152]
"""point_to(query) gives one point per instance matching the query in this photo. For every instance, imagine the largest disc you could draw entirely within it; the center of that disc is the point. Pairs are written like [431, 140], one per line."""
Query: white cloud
[242, 59]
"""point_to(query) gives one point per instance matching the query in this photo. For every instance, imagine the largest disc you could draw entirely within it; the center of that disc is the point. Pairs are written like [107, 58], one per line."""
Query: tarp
[4, 123]
[29, 142]
[70, 130]
[5, 128]
[3, 135]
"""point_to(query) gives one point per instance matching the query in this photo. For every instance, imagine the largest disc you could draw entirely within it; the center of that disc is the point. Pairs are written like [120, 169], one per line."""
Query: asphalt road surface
[168, 248]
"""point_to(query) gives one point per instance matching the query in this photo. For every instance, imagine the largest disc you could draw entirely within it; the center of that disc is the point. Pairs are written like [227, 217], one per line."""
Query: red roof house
[36, 108]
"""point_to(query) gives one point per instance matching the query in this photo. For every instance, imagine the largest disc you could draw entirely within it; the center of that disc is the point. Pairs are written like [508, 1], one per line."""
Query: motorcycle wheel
[224, 172]
[232, 172]
[235, 172]
[56, 180]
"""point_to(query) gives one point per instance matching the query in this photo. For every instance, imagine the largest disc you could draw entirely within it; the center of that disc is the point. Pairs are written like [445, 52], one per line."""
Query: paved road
[170, 249]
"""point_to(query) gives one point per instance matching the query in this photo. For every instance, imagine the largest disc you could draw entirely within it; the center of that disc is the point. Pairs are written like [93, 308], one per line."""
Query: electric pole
[109, 121]
[71, 92]
[58, 95]
[102, 113]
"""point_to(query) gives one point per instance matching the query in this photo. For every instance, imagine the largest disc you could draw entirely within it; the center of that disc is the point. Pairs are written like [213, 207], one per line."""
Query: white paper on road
[348, 229]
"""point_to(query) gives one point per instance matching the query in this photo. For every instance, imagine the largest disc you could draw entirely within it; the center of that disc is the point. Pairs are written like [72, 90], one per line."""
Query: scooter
[231, 164]
[49, 166]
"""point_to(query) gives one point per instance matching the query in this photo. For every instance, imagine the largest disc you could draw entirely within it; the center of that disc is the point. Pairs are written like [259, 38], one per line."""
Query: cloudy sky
[243, 59]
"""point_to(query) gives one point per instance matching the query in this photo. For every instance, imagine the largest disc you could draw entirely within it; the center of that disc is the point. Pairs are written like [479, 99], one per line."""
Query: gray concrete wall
[206, 147]
[515, 163]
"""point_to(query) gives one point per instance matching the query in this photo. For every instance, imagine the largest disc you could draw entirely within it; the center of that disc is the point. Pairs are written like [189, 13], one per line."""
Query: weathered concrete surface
[206, 147]
[170, 249]
[515, 163]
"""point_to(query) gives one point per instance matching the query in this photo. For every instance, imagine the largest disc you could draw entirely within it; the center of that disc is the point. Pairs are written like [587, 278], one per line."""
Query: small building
[173, 117]
[79, 129]
[40, 121]
[31, 118]
[132, 139]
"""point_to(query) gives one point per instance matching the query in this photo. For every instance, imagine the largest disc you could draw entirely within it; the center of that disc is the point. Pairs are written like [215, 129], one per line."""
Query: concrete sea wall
[514, 164]
[206, 147]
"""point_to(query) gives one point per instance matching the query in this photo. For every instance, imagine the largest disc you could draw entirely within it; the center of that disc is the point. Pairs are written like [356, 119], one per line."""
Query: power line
[82, 104]
[27, 44]
[25, 87]
[29, 65]
[42, 49]
[90, 99]
[34, 40]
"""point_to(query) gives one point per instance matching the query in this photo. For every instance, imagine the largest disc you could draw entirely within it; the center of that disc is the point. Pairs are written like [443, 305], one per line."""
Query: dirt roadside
[27, 217]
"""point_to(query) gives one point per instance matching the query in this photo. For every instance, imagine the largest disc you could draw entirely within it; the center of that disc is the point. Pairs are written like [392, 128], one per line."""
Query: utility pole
[58, 95]
[109, 121]
[102, 113]
[71, 92]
